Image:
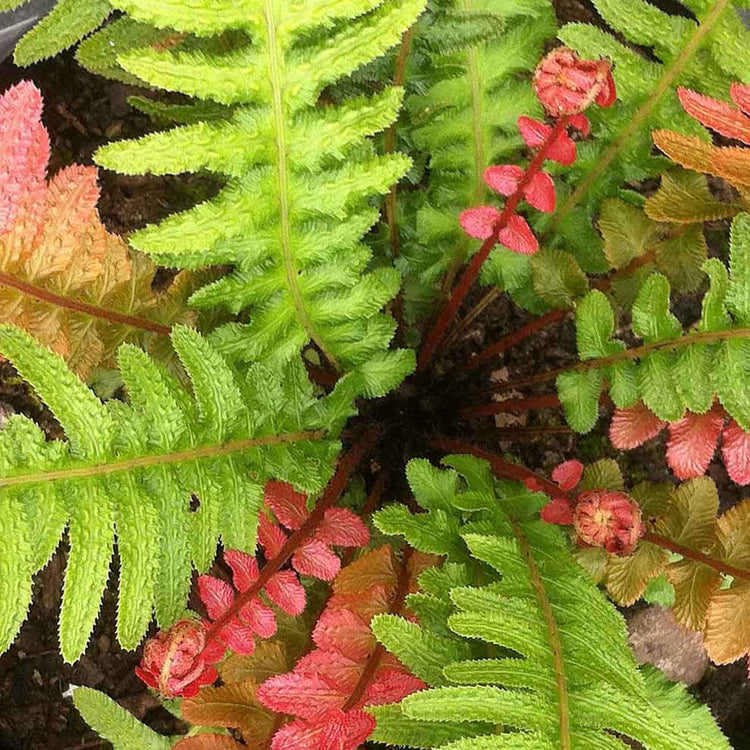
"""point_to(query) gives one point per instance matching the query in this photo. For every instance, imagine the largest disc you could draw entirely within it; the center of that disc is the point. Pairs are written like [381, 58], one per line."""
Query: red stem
[500, 466]
[517, 336]
[331, 494]
[511, 405]
[83, 307]
[695, 556]
[450, 309]
[373, 662]
[555, 316]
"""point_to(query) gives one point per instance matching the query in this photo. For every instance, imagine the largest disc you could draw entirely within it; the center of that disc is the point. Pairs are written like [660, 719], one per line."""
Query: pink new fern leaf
[565, 85]
[692, 440]
[255, 618]
[339, 527]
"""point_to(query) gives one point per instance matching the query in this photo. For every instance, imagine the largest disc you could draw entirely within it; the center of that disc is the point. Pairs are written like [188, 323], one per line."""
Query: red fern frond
[565, 85]
[717, 115]
[314, 557]
[692, 440]
[347, 670]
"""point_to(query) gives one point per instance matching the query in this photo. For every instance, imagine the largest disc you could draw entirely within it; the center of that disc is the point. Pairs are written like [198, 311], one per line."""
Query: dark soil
[82, 112]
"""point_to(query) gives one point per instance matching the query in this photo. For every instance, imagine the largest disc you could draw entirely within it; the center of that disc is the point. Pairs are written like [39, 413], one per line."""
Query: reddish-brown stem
[83, 307]
[511, 405]
[695, 556]
[517, 336]
[500, 466]
[373, 662]
[556, 316]
[330, 496]
[450, 309]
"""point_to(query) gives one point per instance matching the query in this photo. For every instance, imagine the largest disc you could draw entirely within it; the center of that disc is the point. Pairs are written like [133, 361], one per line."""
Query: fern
[505, 634]
[133, 469]
[63, 27]
[465, 121]
[64, 278]
[297, 257]
[731, 163]
[621, 150]
[114, 722]
[636, 244]
[674, 372]
[707, 572]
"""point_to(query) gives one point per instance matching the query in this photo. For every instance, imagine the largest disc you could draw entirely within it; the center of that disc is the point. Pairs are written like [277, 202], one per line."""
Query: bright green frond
[546, 656]
[128, 472]
[299, 266]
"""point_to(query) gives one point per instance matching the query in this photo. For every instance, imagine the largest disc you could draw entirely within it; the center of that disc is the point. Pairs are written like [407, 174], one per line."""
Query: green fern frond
[300, 269]
[465, 121]
[99, 52]
[114, 723]
[64, 26]
[130, 471]
[714, 65]
[549, 667]
[672, 371]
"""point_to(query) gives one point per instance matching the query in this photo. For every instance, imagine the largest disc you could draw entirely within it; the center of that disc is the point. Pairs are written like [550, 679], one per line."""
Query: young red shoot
[565, 85]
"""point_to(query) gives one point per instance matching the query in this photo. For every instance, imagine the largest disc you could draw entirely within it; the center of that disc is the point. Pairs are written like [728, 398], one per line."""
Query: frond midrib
[545, 607]
[274, 54]
[160, 459]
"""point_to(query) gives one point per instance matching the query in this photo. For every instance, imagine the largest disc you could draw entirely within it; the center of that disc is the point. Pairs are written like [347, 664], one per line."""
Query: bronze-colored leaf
[727, 636]
[627, 577]
[231, 706]
[376, 567]
[269, 658]
[729, 162]
[691, 518]
[694, 585]
[733, 530]
[626, 230]
[684, 197]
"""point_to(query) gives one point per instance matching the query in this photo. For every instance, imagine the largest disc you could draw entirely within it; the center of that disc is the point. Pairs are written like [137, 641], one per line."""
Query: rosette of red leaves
[314, 557]
[692, 440]
[565, 85]
[601, 518]
[347, 670]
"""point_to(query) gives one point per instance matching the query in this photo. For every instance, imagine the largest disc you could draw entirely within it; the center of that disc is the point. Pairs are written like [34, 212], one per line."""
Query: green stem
[145, 462]
[545, 606]
[391, 200]
[696, 337]
[291, 273]
[672, 71]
